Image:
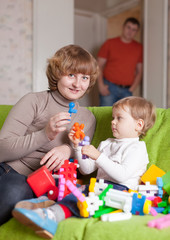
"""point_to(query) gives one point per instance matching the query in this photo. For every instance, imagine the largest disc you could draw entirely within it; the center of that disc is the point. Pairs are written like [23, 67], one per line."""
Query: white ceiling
[98, 6]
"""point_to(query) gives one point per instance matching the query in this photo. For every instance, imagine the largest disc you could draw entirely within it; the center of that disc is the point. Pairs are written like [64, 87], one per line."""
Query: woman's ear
[139, 124]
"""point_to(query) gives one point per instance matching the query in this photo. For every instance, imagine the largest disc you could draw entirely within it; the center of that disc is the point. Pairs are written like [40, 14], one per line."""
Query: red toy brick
[41, 181]
[53, 193]
[68, 171]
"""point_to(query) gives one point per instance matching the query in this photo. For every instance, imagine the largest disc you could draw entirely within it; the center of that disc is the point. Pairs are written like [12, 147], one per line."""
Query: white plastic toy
[111, 217]
[118, 199]
[148, 189]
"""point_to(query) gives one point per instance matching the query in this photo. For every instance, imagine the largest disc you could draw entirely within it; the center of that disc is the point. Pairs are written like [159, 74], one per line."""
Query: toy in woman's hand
[71, 108]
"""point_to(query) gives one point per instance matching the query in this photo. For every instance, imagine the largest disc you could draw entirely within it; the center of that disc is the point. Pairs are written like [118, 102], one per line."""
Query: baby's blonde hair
[139, 108]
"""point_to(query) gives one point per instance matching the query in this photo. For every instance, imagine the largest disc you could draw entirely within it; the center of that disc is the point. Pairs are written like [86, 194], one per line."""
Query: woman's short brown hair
[139, 108]
[71, 59]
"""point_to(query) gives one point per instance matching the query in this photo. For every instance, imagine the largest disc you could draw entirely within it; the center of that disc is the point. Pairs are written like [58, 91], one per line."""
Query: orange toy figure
[79, 134]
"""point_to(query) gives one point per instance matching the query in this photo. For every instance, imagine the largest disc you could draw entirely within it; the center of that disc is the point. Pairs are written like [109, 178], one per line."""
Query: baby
[122, 159]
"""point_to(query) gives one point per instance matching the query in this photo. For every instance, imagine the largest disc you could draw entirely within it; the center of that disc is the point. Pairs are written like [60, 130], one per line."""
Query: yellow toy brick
[82, 206]
[151, 174]
[92, 184]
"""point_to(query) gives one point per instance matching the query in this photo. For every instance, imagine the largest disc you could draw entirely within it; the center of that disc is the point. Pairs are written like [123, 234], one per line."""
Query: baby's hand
[90, 151]
[74, 140]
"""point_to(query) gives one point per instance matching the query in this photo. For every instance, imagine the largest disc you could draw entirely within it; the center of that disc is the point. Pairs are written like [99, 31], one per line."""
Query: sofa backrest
[157, 139]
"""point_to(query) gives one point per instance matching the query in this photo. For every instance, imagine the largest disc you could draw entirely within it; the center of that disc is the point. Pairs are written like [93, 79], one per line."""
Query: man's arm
[138, 77]
[103, 89]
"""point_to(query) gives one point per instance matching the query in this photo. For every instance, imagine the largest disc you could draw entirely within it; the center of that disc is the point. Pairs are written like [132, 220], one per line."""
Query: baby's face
[123, 124]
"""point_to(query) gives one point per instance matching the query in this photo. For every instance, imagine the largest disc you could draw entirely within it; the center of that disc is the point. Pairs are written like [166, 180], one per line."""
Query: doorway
[92, 29]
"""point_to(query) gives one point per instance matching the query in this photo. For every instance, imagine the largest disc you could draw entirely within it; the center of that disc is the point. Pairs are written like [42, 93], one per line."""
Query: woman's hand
[56, 157]
[90, 151]
[56, 124]
[73, 139]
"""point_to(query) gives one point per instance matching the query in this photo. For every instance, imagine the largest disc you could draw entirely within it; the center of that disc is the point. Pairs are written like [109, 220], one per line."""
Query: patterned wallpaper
[15, 49]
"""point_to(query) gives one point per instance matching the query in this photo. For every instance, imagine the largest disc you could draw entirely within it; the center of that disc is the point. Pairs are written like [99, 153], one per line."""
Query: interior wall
[155, 51]
[50, 34]
[89, 33]
[24, 54]
[15, 49]
[114, 29]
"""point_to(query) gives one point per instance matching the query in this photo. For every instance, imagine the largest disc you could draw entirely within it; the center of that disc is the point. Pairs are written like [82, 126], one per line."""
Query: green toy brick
[166, 182]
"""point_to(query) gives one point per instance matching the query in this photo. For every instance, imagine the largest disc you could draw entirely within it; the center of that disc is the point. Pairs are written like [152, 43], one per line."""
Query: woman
[36, 130]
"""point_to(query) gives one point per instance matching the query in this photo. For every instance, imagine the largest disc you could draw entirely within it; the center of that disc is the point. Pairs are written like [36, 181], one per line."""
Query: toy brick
[92, 184]
[118, 199]
[75, 191]
[162, 204]
[71, 108]
[151, 174]
[53, 193]
[160, 223]
[79, 134]
[41, 181]
[68, 171]
[111, 217]
[148, 189]
[159, 210]
[82, 206]
[166, 182]
[138, 204]
[100, 186]
[166, 210]
[153, 212]
[93, 203]
[85, 142]
[156, 201]
[104, 209]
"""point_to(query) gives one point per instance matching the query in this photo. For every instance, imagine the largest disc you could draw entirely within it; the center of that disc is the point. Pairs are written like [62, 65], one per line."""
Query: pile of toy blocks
[43, 182]
[151, 197]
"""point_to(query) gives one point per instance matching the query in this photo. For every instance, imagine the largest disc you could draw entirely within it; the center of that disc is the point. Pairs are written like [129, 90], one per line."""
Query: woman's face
[73, 86]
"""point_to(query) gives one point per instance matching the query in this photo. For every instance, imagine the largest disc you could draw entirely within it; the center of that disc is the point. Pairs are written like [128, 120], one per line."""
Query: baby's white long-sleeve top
[121, 161]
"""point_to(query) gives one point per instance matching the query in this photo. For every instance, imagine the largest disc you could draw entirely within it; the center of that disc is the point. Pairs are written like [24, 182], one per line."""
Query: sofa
[158, 146]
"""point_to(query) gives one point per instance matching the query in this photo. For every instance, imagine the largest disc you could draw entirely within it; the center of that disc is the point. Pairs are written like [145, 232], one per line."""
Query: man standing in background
[120, 61]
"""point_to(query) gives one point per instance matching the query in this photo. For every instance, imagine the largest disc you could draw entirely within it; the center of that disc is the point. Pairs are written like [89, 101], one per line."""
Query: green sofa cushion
[91, 229]
[4, 110]
[158, 145]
